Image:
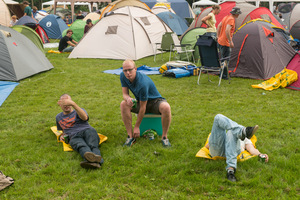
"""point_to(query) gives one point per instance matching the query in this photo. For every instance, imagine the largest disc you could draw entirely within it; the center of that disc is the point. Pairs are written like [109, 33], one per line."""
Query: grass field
[31, 155]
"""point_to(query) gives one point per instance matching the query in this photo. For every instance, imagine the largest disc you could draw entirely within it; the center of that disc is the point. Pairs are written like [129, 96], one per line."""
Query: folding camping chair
[179, 49]
[165, 45]
[210, 58]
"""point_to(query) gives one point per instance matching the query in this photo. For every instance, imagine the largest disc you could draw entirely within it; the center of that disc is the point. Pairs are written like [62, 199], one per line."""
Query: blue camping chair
[209, 57]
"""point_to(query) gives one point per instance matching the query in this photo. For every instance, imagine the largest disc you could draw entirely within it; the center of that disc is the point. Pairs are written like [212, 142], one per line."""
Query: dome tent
[19, 57]
[53, 26]
[129, 32]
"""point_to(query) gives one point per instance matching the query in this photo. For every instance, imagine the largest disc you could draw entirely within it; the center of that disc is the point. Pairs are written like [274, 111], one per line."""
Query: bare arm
[219, 29]
[136, 130]
[227, 31]
[68, 102]
[126, 96]
[71, 43]
[204, 19]
[253, 151]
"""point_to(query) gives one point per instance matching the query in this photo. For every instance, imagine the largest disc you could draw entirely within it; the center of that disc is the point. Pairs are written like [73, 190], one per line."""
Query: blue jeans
[225, 144]
[86, 141]
[68, 49]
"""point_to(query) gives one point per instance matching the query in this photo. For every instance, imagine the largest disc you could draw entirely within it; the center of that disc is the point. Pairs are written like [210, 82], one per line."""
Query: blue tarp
[181, 7]
[6, 88]
[144, 69]
[176, 23]
[53, 26]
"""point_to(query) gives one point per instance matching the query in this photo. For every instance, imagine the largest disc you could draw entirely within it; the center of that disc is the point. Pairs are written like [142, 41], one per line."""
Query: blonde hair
[214, 7]
[129, 61]
[14, 17]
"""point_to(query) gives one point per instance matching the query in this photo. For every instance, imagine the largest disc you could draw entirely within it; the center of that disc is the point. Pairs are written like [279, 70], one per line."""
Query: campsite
[41, 169]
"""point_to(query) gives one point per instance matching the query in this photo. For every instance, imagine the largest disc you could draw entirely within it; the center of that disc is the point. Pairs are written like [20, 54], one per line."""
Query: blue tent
[54, 26]
[27, 21]
[176, 23]
[6, 88]
[181, 7]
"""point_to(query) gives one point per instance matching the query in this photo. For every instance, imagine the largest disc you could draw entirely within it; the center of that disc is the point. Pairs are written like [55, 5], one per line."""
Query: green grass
[31, 155]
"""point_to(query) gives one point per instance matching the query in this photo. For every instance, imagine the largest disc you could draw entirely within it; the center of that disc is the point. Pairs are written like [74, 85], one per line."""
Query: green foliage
[32, 156]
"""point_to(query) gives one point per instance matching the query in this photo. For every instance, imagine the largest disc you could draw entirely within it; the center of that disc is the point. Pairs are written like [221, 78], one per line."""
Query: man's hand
[129, 102]
[136, 132]
[65, 102]
[266, 155]
[61, 137]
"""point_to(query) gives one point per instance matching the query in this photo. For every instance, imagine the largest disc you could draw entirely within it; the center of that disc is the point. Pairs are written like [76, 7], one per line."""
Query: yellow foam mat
[245, 155]
[67, 147]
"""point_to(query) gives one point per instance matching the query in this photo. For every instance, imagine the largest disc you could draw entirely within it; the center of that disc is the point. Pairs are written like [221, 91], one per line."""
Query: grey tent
[259, 52]
[19, 57]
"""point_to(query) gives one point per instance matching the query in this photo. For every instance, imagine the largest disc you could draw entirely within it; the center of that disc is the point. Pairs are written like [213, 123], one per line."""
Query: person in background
[210, 21]
[13, 20]
[88, 25]
[228, 139]
[79, 15]
[27, 10]
[65, 41]
[34, 11]
[225, 32]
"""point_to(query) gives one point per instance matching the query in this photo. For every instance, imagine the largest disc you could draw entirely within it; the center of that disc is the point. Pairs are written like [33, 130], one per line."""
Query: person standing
[27, 10]
[210, 21]
[225, 32]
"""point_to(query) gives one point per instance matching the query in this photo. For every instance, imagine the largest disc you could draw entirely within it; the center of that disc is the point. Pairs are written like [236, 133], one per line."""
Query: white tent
[4, 14]
[51, 3]
[159, 9]
[127, 33]
[10, 2]
[203, 3]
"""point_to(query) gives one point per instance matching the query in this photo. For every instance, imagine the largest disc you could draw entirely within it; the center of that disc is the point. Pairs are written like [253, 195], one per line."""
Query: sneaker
[90, 165]
[165, 142]
[249, 132]
[91, 157]
[231, 176]
[129, 141]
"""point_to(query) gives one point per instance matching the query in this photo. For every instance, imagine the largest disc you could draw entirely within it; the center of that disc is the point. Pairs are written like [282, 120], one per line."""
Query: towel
[67, 147]
[245, 155]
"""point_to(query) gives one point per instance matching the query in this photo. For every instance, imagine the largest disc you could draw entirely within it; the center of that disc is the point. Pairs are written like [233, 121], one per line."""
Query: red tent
[294, 65]
[43, 35]
[249, 12]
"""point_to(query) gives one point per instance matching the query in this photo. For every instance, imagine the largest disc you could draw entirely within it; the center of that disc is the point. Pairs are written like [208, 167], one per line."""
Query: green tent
[190, 37]
[78, 28]
[30, 34]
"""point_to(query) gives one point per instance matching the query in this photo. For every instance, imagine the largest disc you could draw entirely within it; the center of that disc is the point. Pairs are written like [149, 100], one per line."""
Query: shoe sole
[87, 165]
[253, 131]
[93, 158]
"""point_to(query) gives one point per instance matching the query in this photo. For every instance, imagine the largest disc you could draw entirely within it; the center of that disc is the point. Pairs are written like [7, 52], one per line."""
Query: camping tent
[78, 28]
[19, 57]
[30, 34]
[249, 12]
[259, 52]
[53, 25]
[27, 21]
[15, 8]
[43, 35]
[294, 65]
[93, 16]
[203, 3]
[190, 37]
[295, 22]
[129, 32]
[4, 14]
[159, 9]
[121, 3]
[176, 23]
[180, 7]
[40, 15]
